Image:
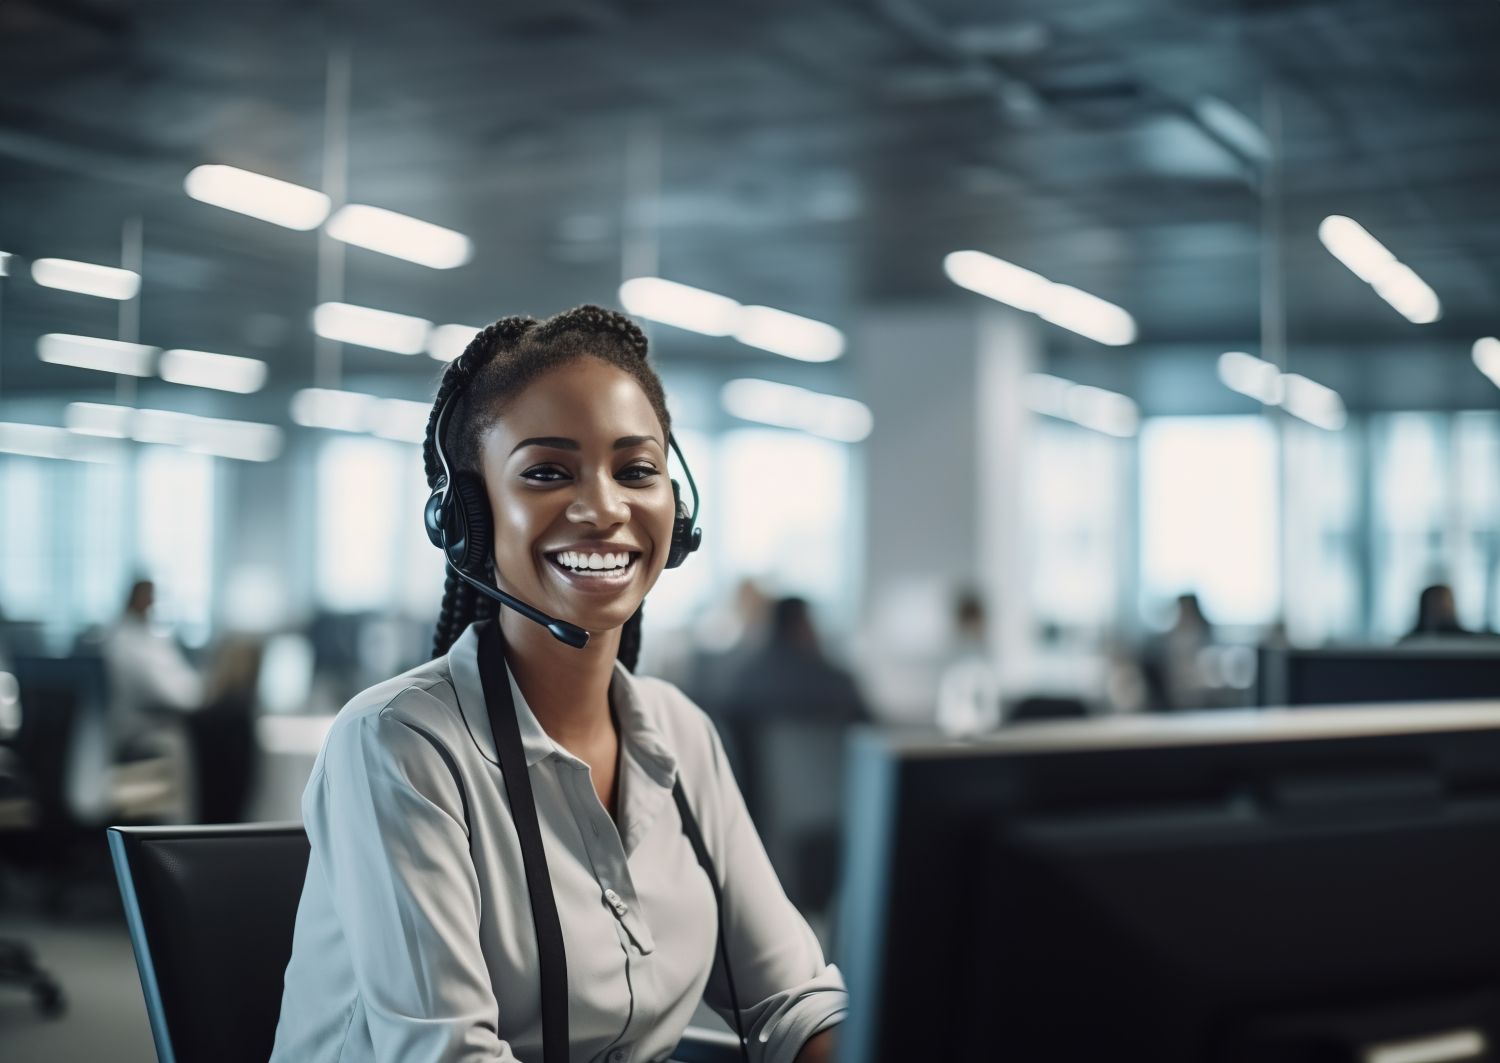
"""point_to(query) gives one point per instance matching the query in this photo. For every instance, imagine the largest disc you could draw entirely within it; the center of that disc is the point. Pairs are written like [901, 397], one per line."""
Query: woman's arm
[789, 996]
[386, 823]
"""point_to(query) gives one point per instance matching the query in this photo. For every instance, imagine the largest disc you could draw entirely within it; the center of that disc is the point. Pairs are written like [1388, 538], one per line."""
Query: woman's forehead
[589, 401]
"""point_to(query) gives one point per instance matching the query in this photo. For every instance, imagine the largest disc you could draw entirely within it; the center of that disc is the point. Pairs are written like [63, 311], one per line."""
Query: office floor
[90, 957]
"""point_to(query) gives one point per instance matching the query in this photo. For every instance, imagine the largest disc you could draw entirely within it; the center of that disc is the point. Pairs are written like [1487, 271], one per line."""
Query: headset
[458, 522]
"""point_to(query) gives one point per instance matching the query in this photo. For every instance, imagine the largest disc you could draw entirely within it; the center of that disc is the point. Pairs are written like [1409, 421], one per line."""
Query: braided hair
[498, 364]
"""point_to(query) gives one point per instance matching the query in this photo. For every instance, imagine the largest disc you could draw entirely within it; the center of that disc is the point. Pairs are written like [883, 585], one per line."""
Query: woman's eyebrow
[561, 443]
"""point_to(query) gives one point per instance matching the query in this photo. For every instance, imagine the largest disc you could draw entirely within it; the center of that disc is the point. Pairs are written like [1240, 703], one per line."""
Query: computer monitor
[1213, 888]
[1427, 670]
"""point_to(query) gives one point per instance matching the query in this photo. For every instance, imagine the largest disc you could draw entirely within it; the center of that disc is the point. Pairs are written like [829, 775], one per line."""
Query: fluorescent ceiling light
[266, 198]
[342, 411]
[1313, 402]
[1103, 411]
[5, 258]
[89, 352]
[1369, 260]
[1487, 358]
[400, 419]
[203, 369]
[1081, 404]
[48, 441]
[788, 334]
[100, 419]
[354, 411]
[1251, 376]
[830, 416]
[366, 327]
[1234, 127]
[680, 305]
[217, 436]
[447, 342]
[1062, 304]
[86, 278]
[400, 236]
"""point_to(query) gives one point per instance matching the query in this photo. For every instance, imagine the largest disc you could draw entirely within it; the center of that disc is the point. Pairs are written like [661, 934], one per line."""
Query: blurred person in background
[1437, 614]
[1181, 656]
[790, 677]
[151, 686]
[968, 697]
[731, 634]
[551, 485]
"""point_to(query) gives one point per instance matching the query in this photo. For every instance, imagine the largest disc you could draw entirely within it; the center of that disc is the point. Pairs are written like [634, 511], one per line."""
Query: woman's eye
[544, 473]
[637, 472]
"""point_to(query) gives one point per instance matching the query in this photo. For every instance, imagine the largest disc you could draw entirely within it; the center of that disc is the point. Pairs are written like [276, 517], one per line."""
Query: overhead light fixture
[49, 441]
[1369, 260]
[403, 420]
[91, 352]
[680, 305]
[1251, 376]
[259, 196]
[1082, 404]
[86, 278]
[787, 334]
[400, 236]
[204, 369]
[1232, 126]
[447, 342]
[341, 411]
[216, 436]
[1062, 304]
[785, 406]
[5, 257]
[1314, 403]
[1487, 358]
[368, 327]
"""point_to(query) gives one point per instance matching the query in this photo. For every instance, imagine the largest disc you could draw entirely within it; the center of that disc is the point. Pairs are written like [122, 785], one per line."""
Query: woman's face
[576, 470]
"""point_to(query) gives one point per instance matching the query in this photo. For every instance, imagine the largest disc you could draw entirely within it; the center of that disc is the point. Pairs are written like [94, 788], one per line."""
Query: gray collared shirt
[414, 940]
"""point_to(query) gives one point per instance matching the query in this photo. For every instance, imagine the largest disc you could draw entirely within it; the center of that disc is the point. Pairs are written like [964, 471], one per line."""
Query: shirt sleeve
[387, 827]
[787, 991]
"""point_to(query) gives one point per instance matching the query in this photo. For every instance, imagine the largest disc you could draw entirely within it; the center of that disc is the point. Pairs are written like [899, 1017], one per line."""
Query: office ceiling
[814, 155]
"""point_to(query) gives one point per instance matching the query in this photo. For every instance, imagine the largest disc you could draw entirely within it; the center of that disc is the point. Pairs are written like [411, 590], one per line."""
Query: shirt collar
[638, 729]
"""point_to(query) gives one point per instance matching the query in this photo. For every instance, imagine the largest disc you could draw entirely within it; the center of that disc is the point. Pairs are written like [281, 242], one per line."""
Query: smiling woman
[497, 872]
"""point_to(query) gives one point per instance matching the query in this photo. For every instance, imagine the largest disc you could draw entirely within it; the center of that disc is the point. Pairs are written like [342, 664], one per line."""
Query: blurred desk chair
[211, 911]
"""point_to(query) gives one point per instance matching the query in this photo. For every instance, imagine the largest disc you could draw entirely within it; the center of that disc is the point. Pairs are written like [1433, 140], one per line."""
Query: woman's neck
[566, 688]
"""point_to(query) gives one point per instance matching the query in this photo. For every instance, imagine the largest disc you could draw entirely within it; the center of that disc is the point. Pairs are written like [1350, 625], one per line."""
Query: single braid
[462, 605]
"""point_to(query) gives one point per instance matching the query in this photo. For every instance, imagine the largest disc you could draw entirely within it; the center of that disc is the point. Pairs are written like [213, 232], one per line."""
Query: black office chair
[210, 911]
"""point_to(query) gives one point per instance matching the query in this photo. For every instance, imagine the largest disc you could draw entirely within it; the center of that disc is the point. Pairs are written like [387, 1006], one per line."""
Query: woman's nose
[600, 502]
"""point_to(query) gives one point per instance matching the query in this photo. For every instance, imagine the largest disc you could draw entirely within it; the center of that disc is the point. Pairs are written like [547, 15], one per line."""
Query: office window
[1410, 492]
[1209, 517]
[101, 551]
[175, 535]
[1476, 546]
[783, 516]
[1321, 537]
[26, 577]
[362, 482]
[1076, 517]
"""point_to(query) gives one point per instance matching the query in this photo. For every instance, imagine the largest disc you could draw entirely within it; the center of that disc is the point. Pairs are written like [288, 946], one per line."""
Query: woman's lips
[595, 580]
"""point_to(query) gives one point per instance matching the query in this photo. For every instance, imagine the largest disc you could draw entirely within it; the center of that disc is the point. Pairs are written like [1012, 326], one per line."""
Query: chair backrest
[211, 911]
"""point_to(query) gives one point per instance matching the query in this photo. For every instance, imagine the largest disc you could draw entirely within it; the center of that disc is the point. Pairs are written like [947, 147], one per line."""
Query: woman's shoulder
[419, 702]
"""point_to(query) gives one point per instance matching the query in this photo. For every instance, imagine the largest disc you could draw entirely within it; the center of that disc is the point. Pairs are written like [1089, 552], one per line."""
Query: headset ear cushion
[469, 537]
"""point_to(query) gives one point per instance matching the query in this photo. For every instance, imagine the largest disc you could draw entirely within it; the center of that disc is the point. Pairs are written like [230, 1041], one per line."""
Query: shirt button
[617, 1056]
[618, 905]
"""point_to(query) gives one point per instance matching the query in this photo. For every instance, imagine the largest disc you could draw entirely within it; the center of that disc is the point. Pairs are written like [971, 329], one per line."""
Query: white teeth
[581, 562]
